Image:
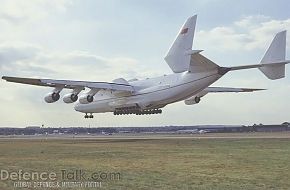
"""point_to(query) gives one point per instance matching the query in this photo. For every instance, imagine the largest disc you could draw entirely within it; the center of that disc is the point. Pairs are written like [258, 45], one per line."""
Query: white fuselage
[152, 92]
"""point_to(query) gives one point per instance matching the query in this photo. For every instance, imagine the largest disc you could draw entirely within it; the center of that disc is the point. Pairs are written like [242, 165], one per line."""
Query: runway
[158, 136]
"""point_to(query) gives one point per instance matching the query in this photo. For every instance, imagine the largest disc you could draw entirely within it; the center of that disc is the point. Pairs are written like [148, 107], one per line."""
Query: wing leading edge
[70, 84]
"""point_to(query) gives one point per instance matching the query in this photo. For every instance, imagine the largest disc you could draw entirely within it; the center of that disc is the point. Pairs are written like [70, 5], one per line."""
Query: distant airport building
[254, 128]
[272, 128]
[37, 130]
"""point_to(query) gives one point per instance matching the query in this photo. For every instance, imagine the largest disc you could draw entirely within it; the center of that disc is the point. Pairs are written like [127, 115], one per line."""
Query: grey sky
[107, 39]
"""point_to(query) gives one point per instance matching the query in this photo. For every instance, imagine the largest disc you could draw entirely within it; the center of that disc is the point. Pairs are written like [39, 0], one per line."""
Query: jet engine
[192, 100]
[86, 99]
[70, 98]
[52, 97]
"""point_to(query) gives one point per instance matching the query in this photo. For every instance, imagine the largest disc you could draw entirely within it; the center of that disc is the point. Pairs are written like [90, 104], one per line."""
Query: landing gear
[89, 116]
[136, 111]
[197, 99]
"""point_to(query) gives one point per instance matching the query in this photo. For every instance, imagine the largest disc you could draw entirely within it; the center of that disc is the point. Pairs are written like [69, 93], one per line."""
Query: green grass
[158, 164]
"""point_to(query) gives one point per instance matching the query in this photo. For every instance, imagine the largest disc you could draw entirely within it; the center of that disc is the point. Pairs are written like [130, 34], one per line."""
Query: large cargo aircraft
[192, 76]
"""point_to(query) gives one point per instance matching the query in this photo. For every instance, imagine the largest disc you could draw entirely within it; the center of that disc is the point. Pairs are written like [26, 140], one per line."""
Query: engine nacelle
[86, 99]
[192, 100]
[70, 98]
[52, 97]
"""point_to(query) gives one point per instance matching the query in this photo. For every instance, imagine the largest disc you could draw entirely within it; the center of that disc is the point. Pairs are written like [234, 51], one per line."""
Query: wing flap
[95, 85]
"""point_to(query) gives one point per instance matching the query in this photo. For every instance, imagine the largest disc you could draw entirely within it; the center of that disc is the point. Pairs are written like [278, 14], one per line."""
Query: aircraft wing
[196, 98]
[226, 89]
[71, 84]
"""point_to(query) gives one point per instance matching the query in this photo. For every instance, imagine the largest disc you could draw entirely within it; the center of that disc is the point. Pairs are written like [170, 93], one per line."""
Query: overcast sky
[101, 40]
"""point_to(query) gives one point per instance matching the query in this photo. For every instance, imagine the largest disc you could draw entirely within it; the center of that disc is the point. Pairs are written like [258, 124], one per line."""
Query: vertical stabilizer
[178, 56]
[275, 57]
[277, 50]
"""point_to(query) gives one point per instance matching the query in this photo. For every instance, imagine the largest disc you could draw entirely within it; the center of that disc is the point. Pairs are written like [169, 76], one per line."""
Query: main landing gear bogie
[127, 111]
[89, 116]
[130, 110]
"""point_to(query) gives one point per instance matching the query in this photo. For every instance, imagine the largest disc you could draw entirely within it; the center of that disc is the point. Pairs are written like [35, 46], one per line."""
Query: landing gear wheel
[91, 116]
[197, 99]
[86, 116]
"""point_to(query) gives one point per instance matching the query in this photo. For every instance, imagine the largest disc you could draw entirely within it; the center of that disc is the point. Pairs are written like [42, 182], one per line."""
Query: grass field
[174, 163]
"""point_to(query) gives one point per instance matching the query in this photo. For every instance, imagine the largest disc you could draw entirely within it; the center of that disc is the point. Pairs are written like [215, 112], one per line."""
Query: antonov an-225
[192, 75]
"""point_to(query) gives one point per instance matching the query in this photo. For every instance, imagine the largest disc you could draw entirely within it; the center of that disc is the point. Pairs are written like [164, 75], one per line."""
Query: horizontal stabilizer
[199, 63]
